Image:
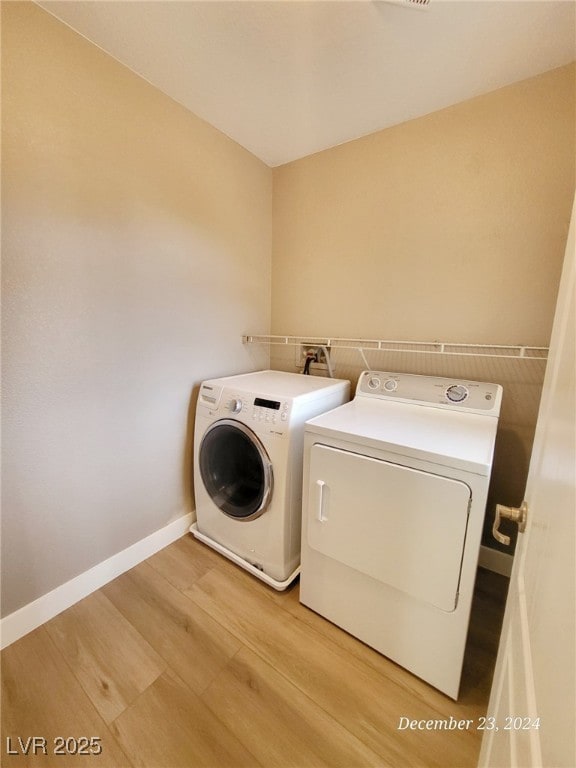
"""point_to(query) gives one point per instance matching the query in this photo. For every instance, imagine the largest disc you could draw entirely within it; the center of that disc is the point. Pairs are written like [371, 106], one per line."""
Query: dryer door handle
[321, 498]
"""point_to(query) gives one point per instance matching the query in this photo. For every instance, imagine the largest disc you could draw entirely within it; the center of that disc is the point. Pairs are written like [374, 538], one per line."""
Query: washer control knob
[390, 385]
[457, 393]
[374, 382]
[235, 405]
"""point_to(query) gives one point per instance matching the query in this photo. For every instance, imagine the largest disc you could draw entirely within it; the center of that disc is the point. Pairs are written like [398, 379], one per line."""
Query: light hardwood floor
[186, 660]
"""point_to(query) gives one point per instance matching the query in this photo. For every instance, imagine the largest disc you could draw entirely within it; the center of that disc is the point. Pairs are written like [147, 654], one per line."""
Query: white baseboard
[494, 560]
[29, 617]
[33, 615]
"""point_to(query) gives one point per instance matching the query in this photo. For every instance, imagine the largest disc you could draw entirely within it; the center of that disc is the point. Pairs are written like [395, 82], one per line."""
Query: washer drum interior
[236, 470]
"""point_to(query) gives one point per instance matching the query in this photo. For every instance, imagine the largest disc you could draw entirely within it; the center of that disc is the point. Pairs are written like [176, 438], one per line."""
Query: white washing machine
[248, 442]
[395, 487]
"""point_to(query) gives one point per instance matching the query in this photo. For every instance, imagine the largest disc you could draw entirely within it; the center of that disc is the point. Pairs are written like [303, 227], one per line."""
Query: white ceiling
[287, 78]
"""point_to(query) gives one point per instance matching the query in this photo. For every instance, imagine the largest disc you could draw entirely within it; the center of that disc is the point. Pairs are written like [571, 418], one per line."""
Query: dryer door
[235, 469]
[402, 526]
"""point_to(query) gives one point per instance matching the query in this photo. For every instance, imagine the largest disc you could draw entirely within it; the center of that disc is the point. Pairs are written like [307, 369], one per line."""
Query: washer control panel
[264, 414]
[258, 412]
[269, 411]
[256, 409]
[470, 396]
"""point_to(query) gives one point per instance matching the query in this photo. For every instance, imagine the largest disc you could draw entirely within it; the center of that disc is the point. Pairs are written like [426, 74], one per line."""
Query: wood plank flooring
[186, 660]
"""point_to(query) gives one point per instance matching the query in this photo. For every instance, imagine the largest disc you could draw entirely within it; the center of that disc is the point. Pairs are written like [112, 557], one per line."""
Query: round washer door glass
[235, 469]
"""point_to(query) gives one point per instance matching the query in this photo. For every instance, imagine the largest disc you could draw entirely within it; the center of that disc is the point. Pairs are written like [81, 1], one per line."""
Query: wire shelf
[509, 351]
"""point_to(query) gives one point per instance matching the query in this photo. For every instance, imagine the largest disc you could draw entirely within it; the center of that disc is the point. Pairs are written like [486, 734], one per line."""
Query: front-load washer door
[235, 469]
[402, 526]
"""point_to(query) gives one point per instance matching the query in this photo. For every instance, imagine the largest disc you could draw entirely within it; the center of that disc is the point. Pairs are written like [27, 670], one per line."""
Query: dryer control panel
[454, 394]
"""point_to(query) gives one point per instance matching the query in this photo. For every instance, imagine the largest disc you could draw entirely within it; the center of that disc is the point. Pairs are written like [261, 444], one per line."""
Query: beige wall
[136, 250]
[451, 227]
[136, 245]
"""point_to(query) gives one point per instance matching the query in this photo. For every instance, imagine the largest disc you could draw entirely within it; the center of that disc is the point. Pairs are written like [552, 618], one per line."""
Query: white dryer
[395, 488]
[248, 443]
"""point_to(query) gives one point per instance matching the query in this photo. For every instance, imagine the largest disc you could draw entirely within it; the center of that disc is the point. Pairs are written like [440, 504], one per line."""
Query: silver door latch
[516, 514]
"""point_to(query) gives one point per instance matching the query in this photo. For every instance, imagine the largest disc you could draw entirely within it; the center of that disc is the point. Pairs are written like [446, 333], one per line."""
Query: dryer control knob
[235, 406]
[457, 393]
[374, 382]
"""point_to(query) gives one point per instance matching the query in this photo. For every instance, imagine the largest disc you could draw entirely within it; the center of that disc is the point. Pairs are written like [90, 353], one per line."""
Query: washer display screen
[274, 404]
